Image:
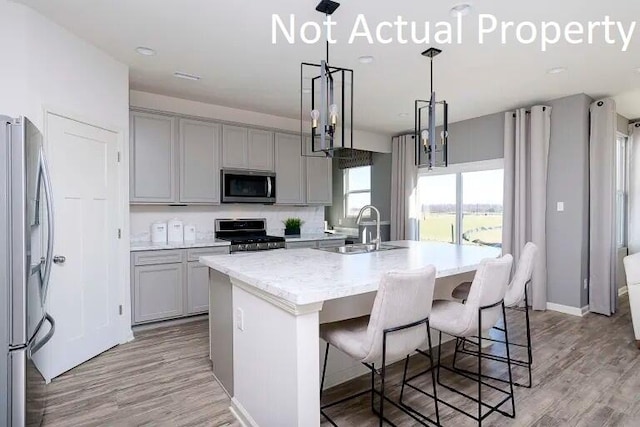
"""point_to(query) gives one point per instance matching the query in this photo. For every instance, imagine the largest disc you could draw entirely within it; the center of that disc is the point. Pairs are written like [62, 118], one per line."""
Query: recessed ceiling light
[461, 9]
[403, 115]
[145, 51]
[367, 59]
[556, 70]
[186, 76]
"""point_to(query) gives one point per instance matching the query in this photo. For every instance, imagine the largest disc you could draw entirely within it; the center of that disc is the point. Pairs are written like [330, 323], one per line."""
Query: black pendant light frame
[327, 139]
[428, 149]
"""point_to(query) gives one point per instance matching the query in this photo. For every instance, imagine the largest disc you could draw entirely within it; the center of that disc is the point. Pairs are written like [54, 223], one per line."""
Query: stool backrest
[403, 297]
[488, 287]
[524, 271]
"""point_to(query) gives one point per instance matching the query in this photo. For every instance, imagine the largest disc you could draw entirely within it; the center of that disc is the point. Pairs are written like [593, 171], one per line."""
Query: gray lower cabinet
[152, 158]
[290, 179]
[199, 165]
[157, 292]
[197, 288]
[315, 244]
[168, 284]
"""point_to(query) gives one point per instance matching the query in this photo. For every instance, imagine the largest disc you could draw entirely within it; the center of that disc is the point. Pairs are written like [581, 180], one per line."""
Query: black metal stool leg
[529, 347]
[480, 366]
[506, 338]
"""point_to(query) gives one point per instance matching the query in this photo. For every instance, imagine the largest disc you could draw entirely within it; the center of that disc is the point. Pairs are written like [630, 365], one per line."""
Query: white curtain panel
[603, 292]
[634, 189]
[526, 154]
[404, 181]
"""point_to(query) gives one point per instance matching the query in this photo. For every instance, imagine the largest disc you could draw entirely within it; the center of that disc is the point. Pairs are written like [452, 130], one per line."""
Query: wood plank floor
[586, 373]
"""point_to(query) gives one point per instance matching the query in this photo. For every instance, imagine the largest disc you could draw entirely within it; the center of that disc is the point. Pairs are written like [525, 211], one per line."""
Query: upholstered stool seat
[398, 325]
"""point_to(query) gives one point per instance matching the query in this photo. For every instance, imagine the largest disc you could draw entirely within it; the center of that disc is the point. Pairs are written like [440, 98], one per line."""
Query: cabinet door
[289, 170]
[199, 162]
[319, 179]
[260, 150]
[234, 147]
[152, 159]
[197, 288]
[157, 292]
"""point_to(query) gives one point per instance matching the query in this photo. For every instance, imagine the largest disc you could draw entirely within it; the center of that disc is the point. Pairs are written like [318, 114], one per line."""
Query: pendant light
[326, 104]
[431, 144]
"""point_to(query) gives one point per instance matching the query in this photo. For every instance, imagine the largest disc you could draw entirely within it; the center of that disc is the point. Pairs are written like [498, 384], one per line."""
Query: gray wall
[477, 139]
[623, 125]
[568, 182]
[380, 191]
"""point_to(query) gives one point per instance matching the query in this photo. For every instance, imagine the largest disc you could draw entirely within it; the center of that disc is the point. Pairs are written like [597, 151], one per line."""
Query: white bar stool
[480, 312]
[516, 295]
[399, 323]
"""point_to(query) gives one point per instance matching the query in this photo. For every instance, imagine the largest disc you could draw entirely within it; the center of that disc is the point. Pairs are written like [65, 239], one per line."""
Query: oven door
[243, 186]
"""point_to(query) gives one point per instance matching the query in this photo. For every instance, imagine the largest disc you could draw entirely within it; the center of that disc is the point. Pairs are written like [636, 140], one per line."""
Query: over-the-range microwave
[248, 186]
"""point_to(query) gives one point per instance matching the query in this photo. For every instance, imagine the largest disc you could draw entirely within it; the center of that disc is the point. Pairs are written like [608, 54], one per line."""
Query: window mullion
[459, 208]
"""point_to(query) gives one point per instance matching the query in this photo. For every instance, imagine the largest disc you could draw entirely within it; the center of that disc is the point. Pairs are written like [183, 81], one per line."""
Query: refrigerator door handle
[37, 346]
[46, 180]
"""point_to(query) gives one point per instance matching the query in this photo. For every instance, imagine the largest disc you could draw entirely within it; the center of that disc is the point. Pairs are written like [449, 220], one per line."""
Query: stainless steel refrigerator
[26, 245]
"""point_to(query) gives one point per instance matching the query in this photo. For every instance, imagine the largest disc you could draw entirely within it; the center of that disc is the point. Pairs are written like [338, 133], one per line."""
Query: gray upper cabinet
[152, 158]
[319, 179]
[234, 147]
[290, 179]
[244, 148]
[199, 162]
[260, 150]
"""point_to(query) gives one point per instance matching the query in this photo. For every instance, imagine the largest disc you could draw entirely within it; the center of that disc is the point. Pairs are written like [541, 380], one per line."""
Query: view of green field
[438, 227]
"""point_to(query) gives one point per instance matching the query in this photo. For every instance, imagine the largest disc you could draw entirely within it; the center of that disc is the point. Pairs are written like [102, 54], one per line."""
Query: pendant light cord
[327, 17]
[431, 77]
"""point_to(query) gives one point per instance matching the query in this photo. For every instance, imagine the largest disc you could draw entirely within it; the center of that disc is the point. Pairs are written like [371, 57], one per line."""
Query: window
[621, 191]
[357, 189]
[462, 204]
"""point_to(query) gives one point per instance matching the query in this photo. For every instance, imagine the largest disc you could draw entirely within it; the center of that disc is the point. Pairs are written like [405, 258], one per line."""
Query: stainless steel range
[247, 235]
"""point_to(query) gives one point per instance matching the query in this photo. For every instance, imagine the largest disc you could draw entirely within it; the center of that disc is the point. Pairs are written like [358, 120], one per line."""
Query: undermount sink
[360, 248]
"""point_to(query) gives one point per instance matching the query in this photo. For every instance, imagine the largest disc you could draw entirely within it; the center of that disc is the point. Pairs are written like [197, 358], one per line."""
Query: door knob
[59, 259]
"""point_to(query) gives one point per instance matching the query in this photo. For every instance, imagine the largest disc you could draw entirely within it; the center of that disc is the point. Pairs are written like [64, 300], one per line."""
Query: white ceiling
[228, 43]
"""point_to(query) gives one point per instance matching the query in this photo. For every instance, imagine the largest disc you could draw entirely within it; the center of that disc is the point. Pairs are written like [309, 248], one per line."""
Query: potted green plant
[292, 226]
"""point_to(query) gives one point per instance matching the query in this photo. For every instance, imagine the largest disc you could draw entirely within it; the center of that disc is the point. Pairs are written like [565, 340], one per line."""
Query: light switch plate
[560, 207]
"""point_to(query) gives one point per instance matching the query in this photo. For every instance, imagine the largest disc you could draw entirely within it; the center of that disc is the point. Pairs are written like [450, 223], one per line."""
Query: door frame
[123, 248]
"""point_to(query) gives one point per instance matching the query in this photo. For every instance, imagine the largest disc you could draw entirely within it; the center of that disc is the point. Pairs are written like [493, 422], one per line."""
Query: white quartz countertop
[148, 246]
[306, 276]
[311, 237]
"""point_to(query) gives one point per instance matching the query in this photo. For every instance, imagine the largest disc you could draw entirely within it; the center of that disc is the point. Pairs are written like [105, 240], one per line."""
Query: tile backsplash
[203, 217]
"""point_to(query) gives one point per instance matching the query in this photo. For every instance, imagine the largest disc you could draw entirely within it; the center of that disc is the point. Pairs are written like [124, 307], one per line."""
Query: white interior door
[83, 292]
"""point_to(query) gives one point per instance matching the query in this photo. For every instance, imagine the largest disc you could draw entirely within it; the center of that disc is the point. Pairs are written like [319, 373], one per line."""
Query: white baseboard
[622, 291]
[241, 414]
[567, 309]
[166, 323]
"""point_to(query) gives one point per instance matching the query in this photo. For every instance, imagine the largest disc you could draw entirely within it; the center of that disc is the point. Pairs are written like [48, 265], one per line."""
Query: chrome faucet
[376, 241]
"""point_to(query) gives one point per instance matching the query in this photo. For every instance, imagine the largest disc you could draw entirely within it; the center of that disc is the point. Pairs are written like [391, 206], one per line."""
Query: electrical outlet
[240, 319]
[585, 284]
[560, 207]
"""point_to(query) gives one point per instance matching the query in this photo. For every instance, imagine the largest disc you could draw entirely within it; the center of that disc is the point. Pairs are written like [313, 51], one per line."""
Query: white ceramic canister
[189, 233]
[159, 232]
[175, 231]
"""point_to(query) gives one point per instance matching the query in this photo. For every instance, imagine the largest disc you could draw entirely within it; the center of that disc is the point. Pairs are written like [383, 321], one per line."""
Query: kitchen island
[266, 308]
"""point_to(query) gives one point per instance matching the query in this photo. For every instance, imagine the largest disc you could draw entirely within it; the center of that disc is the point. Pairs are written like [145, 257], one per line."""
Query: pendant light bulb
[333, 114]
[443, 135]
[315, 115]
[425, 137]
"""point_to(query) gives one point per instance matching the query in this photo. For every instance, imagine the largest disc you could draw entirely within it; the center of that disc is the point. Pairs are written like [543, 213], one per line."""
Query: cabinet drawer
[195, 254]
[300, 245]
[330, 243]
[158, 257]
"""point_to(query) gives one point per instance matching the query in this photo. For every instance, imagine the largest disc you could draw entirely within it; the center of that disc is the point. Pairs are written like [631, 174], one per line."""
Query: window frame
[458, 169]
[622, 195]
[346, 192]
